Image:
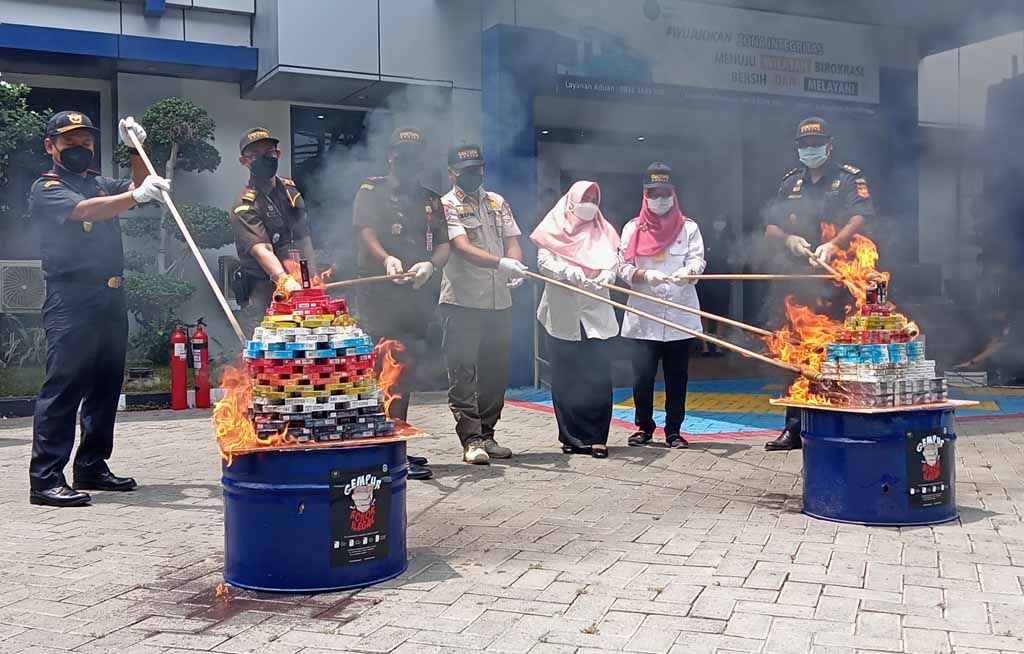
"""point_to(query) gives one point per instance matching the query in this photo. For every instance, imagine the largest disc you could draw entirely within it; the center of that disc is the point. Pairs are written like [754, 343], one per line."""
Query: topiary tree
[179, 135]
[21, 135]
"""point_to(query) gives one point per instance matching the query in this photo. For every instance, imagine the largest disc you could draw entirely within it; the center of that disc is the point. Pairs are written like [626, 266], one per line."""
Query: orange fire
[390, 370]
[231, 424]
[294, 273]
[802, 341]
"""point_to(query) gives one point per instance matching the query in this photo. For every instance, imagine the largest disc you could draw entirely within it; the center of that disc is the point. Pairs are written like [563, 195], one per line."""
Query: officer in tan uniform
[269, 221]
[476, 303]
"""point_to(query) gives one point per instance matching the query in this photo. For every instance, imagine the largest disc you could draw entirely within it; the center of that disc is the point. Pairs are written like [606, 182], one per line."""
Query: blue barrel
[318, 519]
[896, 468]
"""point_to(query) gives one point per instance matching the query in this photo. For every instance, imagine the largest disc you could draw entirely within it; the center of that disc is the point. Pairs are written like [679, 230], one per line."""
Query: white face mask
[660, 206]
[813, 157]
[586, 211]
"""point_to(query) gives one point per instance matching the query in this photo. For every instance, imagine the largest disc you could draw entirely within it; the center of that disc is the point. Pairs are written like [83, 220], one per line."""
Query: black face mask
[264, 167]
[76, 159]
[470, 181]
[406, 170]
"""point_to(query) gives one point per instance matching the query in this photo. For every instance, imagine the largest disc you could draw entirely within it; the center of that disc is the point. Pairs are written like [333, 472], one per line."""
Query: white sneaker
[496, 451]
[476, 454]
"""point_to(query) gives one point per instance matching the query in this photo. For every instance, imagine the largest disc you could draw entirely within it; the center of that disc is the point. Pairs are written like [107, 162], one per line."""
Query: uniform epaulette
[93, 173]
[249, 194]
[853, 170]
[287, 181]
[51, 175]
[791, 173]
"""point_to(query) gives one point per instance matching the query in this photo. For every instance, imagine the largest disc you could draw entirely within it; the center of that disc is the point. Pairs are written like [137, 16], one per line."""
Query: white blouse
[687, 250]
[561, 311]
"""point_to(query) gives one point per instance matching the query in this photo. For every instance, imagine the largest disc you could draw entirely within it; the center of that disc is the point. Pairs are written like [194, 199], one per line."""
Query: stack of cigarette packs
[313, 372]
[878, 360]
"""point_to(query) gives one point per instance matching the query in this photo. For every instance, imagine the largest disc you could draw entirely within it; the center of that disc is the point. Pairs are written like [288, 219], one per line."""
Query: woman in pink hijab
[578, 246]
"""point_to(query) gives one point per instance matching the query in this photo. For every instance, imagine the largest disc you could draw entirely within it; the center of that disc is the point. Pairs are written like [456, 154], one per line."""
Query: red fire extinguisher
[179, 369]
[201, 364]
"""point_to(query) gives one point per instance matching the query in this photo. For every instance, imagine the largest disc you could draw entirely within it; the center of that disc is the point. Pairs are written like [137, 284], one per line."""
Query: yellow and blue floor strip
[739, 407]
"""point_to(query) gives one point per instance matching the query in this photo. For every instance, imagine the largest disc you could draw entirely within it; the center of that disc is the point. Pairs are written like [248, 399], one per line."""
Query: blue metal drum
[895, 468]
[316, 519]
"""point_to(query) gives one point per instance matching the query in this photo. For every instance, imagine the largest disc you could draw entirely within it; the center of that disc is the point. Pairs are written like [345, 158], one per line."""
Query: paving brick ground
[650, 551]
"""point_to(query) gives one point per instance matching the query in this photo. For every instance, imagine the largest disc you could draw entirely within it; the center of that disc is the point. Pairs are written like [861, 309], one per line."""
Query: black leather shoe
[106, 481]
[58, 496]
[418, 472]
[417, 460]
[789, 439]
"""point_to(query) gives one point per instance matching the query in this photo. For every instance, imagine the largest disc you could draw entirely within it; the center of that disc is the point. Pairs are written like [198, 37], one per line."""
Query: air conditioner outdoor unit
[226, 266]
[22, 289]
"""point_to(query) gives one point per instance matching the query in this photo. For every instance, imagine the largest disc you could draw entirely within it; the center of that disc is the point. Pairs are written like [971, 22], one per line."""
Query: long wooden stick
[368, 280]
[223, 301]
[697, 312]
[752, 277]
[807, 372]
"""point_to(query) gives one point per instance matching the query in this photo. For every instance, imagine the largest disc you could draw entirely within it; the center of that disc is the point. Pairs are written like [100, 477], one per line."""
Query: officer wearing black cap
[476, 303]
[818, 191]
[269, 221]
[401, 228]
[84, 313]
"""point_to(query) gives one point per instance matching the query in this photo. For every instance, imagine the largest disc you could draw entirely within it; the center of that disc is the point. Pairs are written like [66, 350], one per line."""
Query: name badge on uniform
[430, 241]
[87, 226]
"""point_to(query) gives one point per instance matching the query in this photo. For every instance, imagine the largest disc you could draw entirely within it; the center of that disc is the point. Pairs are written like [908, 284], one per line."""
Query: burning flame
[232, 427]
[390, 370]
[223, 594]
[293, 272]
[803, 339]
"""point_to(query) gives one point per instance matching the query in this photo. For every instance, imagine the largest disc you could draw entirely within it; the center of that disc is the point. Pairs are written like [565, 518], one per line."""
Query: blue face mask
[813, 157]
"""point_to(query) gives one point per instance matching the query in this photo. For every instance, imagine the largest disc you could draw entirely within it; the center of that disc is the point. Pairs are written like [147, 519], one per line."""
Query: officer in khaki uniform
[818, 191]
[269, 221]
[476, 303]
[401, 227]
[84, 314]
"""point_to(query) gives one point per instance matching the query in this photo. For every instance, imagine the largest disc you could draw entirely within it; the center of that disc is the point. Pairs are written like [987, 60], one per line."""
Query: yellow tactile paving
[717, 402]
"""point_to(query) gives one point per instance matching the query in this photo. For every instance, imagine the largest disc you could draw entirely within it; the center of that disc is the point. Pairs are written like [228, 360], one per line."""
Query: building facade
[554, 89]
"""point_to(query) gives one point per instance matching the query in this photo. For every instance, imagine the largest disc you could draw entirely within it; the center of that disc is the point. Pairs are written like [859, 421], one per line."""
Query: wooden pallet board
[948, 404]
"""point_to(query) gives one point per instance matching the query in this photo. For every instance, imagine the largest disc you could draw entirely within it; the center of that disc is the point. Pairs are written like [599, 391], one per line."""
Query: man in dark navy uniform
[401, 227]
[818, 191]
[84, 314]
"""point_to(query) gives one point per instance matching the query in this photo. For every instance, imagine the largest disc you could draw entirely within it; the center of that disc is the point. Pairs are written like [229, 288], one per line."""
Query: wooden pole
[223, 301]
[697, 312]
[752, 277]
[368, 280]
[807, 372]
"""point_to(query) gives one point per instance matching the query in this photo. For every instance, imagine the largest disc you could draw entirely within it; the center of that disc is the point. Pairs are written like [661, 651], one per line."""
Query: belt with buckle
[114, 282]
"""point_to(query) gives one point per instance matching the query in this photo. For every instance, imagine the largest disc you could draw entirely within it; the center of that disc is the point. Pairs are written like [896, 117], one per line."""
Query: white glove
[656, 278]
[826, 252]
[151, 189]
[512, 268]
[126, 125]
[423, 270]
[575, 276]
[515, 283]
[605, 277]
[291, 285]
[798, 246]
[393, 266]
[685, 271]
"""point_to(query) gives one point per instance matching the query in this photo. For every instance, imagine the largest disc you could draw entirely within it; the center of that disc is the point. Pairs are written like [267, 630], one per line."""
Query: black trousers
[581, 390]
[409, 324]
[476, 345]
[674, 357]
[86, 328]
[251, 314]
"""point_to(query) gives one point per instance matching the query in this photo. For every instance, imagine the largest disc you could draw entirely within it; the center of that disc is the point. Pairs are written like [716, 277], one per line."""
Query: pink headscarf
[654, 233]
[592, 245]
